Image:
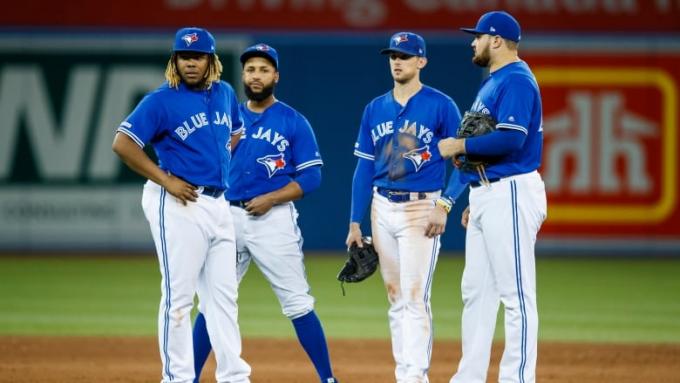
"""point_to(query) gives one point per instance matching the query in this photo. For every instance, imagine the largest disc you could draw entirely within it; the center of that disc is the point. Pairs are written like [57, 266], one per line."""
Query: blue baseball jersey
[190, 130]
[402, 140]
[274, 146]
[512, 97]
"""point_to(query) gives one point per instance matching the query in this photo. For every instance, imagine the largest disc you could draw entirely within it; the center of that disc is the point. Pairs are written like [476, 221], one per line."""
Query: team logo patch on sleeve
[273, 163]
[190, 38]
[419, 156]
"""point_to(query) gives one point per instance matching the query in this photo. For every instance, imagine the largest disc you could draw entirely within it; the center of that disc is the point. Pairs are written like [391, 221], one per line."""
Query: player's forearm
[291, 192]
[134, 157]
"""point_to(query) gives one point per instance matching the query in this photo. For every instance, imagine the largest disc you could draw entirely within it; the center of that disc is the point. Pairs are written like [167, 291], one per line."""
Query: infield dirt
[101, 360]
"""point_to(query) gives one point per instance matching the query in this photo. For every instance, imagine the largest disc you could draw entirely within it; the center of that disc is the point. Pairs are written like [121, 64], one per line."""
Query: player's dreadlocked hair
[211, 75]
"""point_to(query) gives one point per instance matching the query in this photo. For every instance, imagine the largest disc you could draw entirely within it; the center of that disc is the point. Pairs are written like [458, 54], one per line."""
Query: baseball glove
[361, 262]
[474, 124]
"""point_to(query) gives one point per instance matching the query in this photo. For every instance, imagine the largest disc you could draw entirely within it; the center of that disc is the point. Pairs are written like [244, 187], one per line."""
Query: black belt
[241, 204]
[401, 195]
[475, 184]
[212, 192]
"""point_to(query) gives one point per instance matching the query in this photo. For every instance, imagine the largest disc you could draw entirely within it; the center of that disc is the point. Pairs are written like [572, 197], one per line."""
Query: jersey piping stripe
[514, 127]
[428, 284]
[166, 268]
[239, 131]
[129, 133]
[307, 164]
[364, 155]
[518, 274]
[301, 240]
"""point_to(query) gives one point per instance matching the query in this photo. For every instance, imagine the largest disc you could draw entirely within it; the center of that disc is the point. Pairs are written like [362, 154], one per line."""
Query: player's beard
[261, 95]
[483, 58]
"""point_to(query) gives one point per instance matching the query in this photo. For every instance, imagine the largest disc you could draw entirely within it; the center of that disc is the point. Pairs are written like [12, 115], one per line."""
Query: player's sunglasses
[400, 56]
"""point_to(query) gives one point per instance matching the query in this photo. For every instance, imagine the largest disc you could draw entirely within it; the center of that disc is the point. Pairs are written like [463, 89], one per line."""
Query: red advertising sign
[543, 15]
[610, 160]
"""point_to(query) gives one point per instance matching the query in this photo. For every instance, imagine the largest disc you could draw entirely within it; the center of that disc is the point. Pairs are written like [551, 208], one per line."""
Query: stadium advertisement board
[541, 15]
[610, 160]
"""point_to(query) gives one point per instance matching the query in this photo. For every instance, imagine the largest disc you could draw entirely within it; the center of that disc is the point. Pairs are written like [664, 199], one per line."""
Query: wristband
[444, 203]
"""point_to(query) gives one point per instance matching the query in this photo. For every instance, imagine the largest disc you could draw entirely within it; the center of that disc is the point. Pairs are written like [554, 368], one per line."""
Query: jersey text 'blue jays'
[189, 130]
[274, 146]
[402, 140]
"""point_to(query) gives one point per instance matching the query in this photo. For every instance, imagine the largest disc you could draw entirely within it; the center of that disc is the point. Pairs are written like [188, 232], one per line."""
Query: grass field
[595, 300]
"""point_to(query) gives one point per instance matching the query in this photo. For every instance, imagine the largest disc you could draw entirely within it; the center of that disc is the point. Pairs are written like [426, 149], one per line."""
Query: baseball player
[276, 161]
[189, 120]
[399, 167]
[507, 208]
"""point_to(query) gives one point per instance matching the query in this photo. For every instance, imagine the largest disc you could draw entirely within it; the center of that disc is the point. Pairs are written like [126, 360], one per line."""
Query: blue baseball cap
[406, 42]
[194, 39]
[497, 23]
[261, 50]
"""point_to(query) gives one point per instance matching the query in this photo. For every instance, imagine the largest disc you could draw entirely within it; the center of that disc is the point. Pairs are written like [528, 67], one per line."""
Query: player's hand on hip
[259, 205]
[354, 235]
[436, 222]
[451, 147]
[182, 190]
[465, 217]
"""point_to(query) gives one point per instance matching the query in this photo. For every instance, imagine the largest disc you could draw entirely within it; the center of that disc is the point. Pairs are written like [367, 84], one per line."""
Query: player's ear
[276, 77]
[422, 61]
[497, 41]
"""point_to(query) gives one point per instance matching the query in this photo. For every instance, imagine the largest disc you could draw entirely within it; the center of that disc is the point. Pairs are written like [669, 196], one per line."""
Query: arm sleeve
[144, 123]
[361, 189]
[309, 179]
[304, 147]
[364, 147]
[515, 104]
[497, 143]
[455, 186]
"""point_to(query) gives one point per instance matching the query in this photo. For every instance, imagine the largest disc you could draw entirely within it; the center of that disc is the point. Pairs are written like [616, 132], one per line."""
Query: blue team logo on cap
[273, 163]
[263, 47]
[195, 40]
[406, 42]
[190, 38]
[419, 156]
[400, 38]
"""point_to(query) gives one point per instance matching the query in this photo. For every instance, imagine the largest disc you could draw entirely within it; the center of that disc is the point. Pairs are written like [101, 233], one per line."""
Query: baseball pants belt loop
[476, 184]
[210, 191]
[241, 204]
[405, 196]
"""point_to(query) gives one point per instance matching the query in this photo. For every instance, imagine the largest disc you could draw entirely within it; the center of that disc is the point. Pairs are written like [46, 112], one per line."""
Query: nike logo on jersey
[276, 139]
[200, 120]
[273, 163]
[422, 132]
[419, 156]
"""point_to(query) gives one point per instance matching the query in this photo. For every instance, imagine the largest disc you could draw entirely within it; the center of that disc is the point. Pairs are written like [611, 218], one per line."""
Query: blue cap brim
[251, 54]
[387, 51]
[473, 31]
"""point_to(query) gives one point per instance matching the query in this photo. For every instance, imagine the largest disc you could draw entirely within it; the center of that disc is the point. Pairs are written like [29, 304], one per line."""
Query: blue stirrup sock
[202, 345]
[312, 338]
